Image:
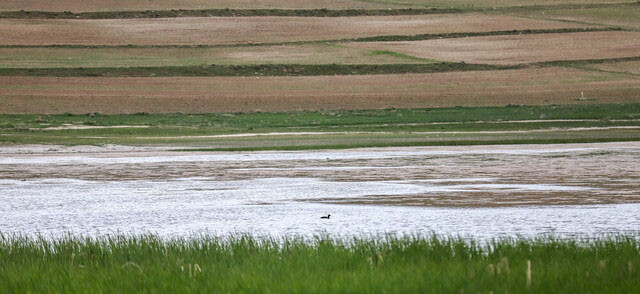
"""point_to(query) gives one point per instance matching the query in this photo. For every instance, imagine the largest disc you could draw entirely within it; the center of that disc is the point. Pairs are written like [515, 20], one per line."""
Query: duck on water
[326, 217]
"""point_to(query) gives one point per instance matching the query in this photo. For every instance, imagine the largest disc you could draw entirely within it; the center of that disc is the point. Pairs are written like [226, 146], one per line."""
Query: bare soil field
[535, 86]
[123, 5]
[517, 49]
[616, 16]
[632, 67]
[491, 3]
[227, 30]
[133, 57]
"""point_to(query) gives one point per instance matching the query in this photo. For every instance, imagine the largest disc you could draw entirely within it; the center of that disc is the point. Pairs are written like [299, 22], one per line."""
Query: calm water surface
[476, 192]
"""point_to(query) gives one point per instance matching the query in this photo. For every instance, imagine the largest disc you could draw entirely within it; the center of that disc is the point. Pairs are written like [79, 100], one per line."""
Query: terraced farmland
[118, 65]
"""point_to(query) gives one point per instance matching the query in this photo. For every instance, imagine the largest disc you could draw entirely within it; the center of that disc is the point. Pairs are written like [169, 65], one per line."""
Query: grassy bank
[322, 265]
[334, 129]
[253, 121]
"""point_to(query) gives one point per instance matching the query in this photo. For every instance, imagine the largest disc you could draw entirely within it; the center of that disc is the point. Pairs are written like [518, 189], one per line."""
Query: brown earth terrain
[615, 16]
[132, 57]
[227, 30]
[631, 67]
[534, 86]
[123, 5]
[127, 5]
[517, 49]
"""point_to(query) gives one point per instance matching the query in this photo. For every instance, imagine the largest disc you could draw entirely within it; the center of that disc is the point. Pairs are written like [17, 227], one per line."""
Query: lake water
[477, 192]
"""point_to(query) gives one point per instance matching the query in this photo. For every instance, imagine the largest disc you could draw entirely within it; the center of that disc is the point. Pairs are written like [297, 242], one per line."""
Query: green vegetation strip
[222, 13]
[585, 61]
[255, 121]
[244, 264]
[420, 37]
[289, 12]
[477, 34]
[347, 128]
[288, 69]
[251, 70]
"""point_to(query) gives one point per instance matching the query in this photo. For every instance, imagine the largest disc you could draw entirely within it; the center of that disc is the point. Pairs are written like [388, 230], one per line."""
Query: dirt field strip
[612, 16]
[157, 57]
[126, 5]
[507, 50]
[177, 8]
[219, 30]
[333, 42]
[534, 86]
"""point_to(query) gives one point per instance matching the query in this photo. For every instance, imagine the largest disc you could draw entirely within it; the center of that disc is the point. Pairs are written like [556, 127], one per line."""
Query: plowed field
[229, 94]
[227, 30]
[516, 49]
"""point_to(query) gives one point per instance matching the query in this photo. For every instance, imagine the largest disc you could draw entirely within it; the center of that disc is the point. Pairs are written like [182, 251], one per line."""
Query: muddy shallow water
[474, 191]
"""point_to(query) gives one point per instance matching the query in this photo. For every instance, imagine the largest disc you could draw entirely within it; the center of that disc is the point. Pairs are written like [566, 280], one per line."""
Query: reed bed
[245, 264]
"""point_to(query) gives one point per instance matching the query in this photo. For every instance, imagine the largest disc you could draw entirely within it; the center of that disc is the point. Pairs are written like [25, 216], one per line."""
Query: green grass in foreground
[147, 264]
